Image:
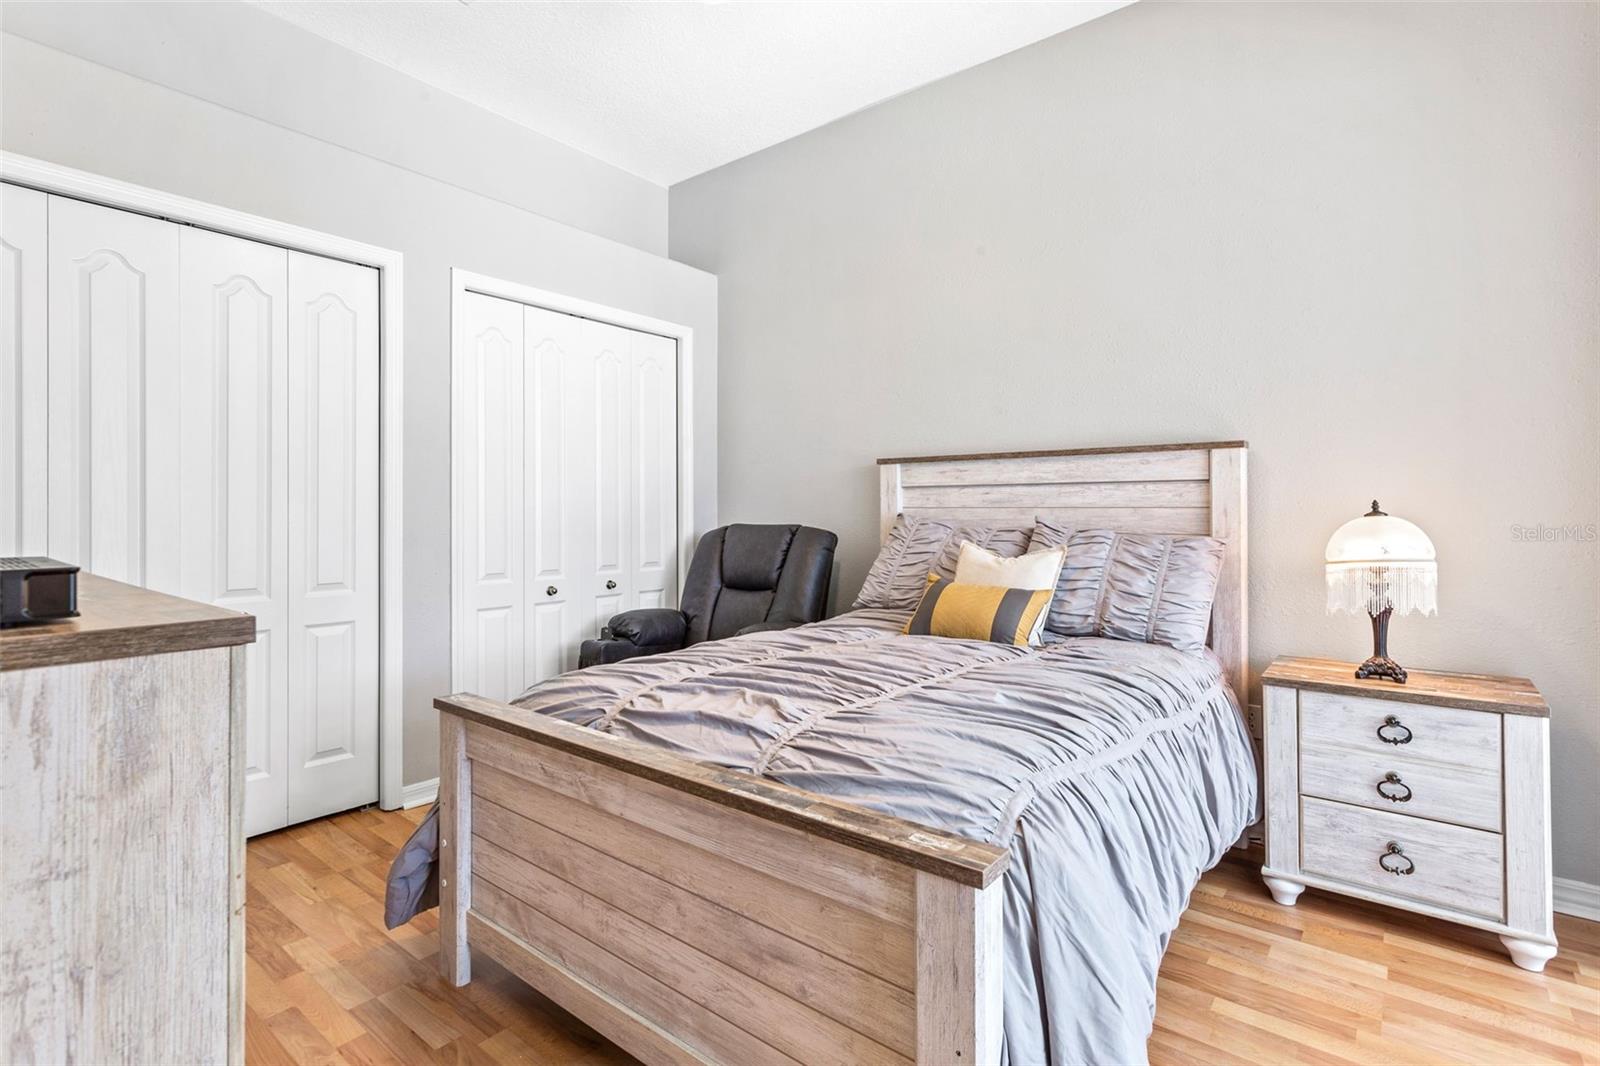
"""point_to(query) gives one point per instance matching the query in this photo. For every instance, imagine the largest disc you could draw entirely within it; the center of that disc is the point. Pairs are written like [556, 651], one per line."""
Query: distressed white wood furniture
[121, 844]
[1432, 796]
[694, 914]
[1152, 488]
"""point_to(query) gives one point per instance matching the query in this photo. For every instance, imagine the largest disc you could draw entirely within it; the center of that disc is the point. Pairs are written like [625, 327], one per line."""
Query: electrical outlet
[1252, 718]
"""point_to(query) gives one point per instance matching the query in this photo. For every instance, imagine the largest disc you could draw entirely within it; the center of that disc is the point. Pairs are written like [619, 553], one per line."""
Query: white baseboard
[419, 793]
[1578, 898]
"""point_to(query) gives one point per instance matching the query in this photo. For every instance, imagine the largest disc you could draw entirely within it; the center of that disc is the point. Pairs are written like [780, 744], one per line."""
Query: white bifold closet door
[213, 427]
[333, 536]
[566, 486]
[24, 372]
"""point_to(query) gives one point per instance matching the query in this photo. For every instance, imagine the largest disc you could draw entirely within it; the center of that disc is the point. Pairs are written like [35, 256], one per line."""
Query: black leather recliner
[744, 579]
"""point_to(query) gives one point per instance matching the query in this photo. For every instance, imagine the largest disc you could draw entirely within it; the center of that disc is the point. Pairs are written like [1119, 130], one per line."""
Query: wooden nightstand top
[1479, 692]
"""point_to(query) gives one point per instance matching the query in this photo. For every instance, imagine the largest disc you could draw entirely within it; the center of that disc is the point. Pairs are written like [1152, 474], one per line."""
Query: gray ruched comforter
[1115, 772]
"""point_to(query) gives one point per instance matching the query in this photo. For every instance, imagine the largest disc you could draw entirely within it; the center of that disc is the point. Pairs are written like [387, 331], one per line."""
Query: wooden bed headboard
[1150, 488]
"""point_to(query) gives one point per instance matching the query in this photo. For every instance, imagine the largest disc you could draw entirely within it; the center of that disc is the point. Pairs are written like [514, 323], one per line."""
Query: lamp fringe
[1406, 588]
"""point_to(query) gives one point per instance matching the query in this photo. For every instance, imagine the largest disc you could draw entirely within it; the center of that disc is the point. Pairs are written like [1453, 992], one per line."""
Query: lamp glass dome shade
[1378, 562]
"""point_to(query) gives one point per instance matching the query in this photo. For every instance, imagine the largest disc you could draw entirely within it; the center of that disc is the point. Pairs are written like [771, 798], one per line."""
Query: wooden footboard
[697, 915]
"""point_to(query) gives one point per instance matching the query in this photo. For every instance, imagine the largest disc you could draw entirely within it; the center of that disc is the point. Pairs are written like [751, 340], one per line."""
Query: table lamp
[1381, 564]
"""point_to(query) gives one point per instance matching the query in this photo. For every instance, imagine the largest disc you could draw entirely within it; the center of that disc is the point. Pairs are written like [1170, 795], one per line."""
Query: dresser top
[117, 621]
[1479, 692]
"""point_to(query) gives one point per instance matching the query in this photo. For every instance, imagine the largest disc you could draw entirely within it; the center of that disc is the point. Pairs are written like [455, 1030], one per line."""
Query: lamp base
[1380, 665]
[1383, 668]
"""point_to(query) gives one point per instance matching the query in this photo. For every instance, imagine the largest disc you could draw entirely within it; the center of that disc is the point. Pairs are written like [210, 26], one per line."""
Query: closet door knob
[551, 591]
[611, 584]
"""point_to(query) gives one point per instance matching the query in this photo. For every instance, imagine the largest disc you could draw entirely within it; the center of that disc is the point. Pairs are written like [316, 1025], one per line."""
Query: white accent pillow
[1037, 570]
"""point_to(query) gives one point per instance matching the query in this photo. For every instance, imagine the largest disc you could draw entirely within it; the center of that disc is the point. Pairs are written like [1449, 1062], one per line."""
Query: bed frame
[696, 915]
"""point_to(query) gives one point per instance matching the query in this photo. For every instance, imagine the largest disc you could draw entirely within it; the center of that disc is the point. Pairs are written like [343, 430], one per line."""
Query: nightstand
[1432, 796]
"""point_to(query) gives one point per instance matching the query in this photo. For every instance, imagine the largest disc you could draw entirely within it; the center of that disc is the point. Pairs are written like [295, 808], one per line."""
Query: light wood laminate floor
[1244, 980]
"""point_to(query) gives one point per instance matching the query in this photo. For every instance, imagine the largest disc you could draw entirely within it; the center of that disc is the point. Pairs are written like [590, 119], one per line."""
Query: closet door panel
[332, 466]
[491, 479]
[24, 372]
[208, 419]
[607, 350]
[653, 374]
[565, 478]
[556, 491]
[232, 483]
[114, 386]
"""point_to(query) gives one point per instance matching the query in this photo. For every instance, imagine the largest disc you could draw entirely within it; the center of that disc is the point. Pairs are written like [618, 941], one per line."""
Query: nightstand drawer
[1438, 734]
[1460, 794]
[1450, 866]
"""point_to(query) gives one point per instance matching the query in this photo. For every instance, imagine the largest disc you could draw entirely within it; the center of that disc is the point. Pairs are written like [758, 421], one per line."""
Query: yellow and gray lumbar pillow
[980, 612]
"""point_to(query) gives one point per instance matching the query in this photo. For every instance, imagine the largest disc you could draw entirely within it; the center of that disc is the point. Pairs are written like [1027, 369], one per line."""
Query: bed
[836, 844]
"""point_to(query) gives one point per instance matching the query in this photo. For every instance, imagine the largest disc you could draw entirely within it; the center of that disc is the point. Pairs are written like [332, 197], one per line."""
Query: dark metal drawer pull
[1397, 792]
[1391, 859]
[611, 584]
[1393, 723]
[551, 591]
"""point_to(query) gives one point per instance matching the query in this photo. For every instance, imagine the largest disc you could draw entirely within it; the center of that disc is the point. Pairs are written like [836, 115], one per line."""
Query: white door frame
[82, 185]
[463, 282]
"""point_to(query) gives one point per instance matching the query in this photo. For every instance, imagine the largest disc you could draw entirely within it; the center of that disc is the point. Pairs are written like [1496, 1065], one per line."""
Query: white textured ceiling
[670, 90]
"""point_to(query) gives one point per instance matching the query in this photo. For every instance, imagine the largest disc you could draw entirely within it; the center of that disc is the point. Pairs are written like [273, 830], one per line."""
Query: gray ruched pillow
[919, 546]
[1147, 587]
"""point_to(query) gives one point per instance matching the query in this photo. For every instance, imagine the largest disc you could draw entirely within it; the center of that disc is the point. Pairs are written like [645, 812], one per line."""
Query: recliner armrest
[649, 627]
[601, 652]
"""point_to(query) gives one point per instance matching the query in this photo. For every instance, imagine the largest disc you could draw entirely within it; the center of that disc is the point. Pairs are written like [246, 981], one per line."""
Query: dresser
[1432, 796]
[121, 787]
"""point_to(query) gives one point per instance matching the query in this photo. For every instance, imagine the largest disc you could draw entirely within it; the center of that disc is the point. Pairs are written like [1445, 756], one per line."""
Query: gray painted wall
[1362, 237]
[67, 110]
[249, 61]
